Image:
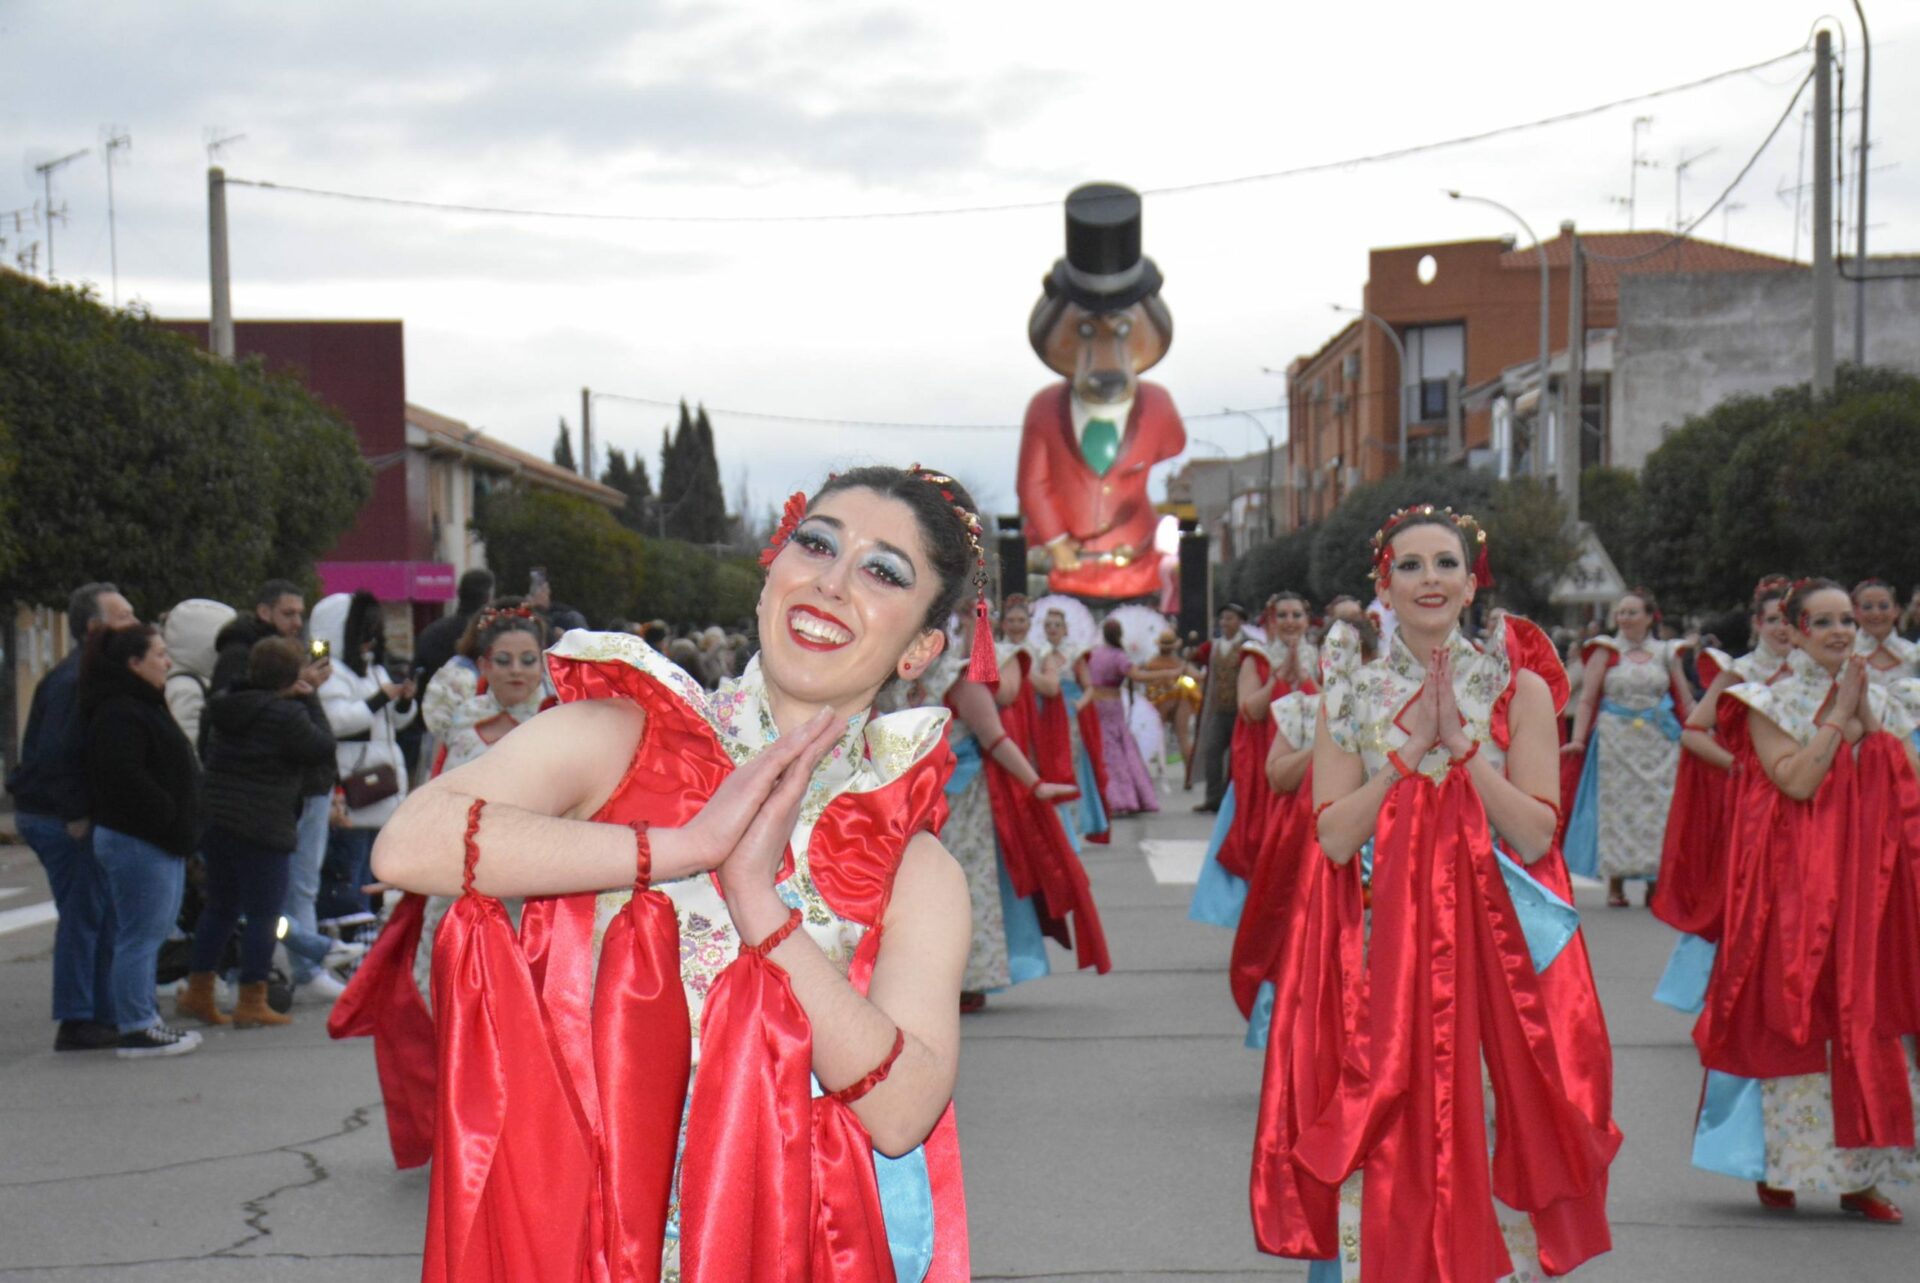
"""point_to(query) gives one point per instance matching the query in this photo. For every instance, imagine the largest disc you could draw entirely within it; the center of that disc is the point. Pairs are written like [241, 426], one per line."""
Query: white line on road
[32, 915]
[1175, 861]
[7, 893]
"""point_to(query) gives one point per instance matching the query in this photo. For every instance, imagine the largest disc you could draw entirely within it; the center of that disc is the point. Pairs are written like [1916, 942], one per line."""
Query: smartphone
[319, 650]
[536, 580]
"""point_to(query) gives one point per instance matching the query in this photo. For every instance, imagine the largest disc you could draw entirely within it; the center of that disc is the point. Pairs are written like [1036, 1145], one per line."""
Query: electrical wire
[663, 403]
[1686, 232]
[1178, 189]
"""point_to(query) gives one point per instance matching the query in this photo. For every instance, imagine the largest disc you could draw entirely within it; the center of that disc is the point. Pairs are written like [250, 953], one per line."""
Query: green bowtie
[1100, 444]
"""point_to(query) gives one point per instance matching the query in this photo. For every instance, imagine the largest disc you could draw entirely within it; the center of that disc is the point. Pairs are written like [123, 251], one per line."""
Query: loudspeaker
[1196, 611]
[1013, 558]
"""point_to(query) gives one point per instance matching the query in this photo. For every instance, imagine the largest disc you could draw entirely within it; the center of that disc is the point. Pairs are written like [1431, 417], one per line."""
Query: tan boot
[197, 1001]
[252, 1009]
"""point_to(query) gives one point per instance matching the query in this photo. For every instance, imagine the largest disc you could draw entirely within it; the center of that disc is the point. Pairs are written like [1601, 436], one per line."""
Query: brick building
[1468, 315]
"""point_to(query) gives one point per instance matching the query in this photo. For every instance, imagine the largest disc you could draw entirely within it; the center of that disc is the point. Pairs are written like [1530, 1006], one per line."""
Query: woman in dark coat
[143, 784]
[266, 734]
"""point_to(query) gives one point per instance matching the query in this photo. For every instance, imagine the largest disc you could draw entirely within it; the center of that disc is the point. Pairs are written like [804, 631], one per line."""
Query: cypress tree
[563, 449]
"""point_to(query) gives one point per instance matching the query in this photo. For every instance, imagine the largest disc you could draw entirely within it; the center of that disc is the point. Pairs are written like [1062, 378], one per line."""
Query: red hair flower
[789, 518]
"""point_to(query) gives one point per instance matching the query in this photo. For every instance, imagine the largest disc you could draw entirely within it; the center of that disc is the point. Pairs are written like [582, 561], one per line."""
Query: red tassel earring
[1482, 567]
[983, 665]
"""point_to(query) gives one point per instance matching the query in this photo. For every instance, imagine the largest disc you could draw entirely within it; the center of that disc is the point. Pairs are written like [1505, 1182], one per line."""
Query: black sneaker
[158, 1040]
[85, 1035]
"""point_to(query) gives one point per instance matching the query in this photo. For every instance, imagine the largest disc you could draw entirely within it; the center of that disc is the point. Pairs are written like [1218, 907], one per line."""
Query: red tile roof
[1689, 255]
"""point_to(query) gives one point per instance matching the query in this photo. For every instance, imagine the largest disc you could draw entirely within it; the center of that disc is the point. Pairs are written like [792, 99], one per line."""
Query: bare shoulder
[930, 881]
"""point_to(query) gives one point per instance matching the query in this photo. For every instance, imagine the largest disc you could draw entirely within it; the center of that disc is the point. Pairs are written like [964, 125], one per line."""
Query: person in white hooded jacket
[366, 708]
[191, 629]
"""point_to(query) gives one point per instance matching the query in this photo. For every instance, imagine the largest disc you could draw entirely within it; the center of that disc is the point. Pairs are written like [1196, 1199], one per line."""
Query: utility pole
[117, 140]
[46, 172]
[221, 326]
[1572, 418]
[1860, 223]
[586, 434]
[1823, 213]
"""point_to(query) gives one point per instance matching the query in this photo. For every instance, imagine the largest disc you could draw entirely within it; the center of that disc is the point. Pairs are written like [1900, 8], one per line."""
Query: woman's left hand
[1452, 732]
[749, 871]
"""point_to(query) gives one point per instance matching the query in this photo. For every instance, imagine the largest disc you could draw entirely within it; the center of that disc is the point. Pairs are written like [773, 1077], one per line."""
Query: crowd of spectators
[204, 792]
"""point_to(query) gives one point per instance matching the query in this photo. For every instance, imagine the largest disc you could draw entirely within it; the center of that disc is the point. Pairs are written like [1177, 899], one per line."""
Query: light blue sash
[1093, 815]
[1582, 848]
[1547, 921]
[1683, 985]
[1218, 895]
[1731, 1136]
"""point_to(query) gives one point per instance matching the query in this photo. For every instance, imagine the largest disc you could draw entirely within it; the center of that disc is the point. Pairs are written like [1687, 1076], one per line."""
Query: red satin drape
[382, 1002]
[1285, 850]
[554, 1155]
[1691, 891]
[1253, 800]
[1815, 971]
[1041, 863]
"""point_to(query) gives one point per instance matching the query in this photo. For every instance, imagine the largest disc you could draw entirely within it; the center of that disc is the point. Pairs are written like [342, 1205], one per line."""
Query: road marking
[1175, 861]
[32, 915]
[7, 893]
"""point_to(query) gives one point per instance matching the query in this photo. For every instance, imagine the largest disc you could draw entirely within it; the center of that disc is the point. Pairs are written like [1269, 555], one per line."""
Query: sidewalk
[1106, 1123]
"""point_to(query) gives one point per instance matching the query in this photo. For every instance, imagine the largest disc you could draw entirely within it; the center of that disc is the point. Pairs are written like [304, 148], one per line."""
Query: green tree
[688, 584]
[1279, 564]
[9, 533]
[142, 461]
[596, 565]
[631, 480]
[1526, 527]
[1611, 502]
[1675, 551]
[563, 449]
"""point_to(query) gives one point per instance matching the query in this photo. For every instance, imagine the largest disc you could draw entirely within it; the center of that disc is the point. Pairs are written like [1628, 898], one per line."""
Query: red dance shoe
[1776, 1200]
[1872, 1205]
[972, 1000]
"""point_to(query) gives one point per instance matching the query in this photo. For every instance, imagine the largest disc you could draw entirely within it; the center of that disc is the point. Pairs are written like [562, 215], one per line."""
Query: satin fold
[382, 1002]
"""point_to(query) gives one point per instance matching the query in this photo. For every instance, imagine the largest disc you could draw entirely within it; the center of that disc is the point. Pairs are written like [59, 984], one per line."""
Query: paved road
[1106, 1123]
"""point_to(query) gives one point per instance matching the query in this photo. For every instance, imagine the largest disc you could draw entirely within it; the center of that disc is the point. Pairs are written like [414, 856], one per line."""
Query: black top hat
[1104, 270]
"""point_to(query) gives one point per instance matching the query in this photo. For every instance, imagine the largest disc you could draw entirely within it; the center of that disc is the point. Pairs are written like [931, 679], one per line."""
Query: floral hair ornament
[1470, 530]
[790, 518]
[982, 664]
[493, 614]
[1770, 586]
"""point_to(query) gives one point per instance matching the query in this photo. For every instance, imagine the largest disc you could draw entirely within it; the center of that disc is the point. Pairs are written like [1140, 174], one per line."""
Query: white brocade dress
[874, 751]
[1639, 753]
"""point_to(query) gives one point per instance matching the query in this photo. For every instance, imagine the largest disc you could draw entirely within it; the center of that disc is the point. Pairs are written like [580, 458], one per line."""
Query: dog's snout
[1108, 385]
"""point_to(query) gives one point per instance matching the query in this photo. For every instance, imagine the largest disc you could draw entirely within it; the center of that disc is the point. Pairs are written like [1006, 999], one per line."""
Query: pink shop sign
[390, 580]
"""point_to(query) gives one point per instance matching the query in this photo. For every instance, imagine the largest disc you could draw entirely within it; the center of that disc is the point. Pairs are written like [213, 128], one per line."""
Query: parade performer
[1632, 686]
[1007, 944]
[757, 864]
[1067, 729]
[1219, 658]
[1173, 688]
[1814, 992]
[1372, 1157]
[1690, 895]
[1890, 658]
[1089, 442]
[496, 680]
[1286, 662]
[1109, 668]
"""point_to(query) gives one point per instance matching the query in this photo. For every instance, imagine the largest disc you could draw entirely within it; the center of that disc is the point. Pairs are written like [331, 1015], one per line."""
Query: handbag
[369, 785]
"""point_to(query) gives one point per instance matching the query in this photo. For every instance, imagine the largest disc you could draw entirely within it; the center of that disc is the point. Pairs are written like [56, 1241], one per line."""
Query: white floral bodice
[1363, 701]
[874, 751]
[454, 705]
[1761, 664]
[1638, 684]
[1901, 650]
[1793, 700]
[1294, 716]
[1276, 652]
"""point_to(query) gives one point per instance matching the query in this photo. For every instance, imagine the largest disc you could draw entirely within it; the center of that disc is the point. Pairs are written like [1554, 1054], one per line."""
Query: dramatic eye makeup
[820, 537]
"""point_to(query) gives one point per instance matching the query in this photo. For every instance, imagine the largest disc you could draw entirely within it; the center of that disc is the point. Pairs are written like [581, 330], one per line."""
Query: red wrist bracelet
[775, 940]
[988, 750]
[1033, 789]
[847, 1095]
[1394, 760]
[472, 845]
[642, 857]
[1319, 811]
[1467, 756]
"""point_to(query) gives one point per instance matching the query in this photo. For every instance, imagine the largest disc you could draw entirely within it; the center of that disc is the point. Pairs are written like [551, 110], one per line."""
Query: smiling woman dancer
[1815, 991]
[756, 864]
[1394, 1049]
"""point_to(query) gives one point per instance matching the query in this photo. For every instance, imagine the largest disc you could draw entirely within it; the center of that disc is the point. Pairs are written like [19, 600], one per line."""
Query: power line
[663, 403]
[1687, 231]
[1320, 167]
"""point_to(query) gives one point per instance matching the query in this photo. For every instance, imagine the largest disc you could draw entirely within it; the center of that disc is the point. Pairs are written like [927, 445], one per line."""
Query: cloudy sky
[721, 112]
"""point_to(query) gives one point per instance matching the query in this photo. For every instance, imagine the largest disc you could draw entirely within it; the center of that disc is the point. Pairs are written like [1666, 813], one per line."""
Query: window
[1433, 353]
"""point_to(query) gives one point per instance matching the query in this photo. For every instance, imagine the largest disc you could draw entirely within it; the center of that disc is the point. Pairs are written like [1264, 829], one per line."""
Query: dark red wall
[359, 368]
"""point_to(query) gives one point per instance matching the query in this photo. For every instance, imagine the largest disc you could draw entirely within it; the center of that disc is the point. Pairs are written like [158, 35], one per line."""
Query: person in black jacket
[440, 640]
[267, 734]
[143, 790]
[49, 788]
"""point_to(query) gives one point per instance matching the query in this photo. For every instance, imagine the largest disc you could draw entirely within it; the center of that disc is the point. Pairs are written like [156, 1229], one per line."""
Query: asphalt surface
[1106, 1124]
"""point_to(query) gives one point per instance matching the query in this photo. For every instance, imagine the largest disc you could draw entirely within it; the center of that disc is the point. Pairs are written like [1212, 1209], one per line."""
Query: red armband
[1394, 760]
[1467, 756]
[775, 940]
[1550, 806]
[847, 1095]
[988, 750]
[642, 857]
[472, 845]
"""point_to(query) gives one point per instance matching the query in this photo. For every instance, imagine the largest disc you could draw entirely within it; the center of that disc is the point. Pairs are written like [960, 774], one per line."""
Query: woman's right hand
[1571, 747]
[1422, 723]
[1056, 792]
[720, 825]
[393, 690]
[1847, 691]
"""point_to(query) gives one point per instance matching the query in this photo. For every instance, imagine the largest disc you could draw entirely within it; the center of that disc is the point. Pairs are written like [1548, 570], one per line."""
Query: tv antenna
[1680, 168]
[215, 142]
[117, 139]
[46, 171]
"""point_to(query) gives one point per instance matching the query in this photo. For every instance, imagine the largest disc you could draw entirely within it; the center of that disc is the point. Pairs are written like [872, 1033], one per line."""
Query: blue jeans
[83, 939]
[146, 884]
[305, 945]
[349, 866]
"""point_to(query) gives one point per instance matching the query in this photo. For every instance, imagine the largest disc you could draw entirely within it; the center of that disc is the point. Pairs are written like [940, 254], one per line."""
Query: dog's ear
[1044, 326]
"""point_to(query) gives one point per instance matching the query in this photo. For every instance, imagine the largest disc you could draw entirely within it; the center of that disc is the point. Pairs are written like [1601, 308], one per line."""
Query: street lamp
[1400, 373]
[1546, 352]
[1266, 502]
